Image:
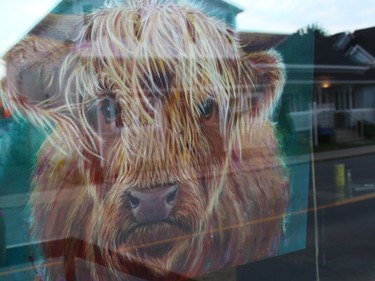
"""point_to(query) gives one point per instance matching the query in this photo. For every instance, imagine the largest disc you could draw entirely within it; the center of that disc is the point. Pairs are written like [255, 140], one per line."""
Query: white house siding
[365, 97]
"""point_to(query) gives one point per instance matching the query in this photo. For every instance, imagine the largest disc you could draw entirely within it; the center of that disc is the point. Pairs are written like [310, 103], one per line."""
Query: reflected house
[341, 69]
[344, 90]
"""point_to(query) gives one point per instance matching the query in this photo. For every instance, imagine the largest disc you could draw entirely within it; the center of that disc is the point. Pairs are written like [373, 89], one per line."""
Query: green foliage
[314, 28]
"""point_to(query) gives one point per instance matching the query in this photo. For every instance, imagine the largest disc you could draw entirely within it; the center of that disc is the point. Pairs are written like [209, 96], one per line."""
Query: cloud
[21, 15]
[287, 16]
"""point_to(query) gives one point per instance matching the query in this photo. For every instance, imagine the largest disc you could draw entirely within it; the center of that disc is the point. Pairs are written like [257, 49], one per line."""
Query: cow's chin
[153, 241]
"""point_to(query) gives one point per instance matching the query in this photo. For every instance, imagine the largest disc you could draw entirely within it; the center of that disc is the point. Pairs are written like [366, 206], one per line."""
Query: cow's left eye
[206, 108]
[108, 109]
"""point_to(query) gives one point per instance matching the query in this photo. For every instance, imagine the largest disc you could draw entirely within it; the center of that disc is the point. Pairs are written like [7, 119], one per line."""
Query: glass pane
[174, 140]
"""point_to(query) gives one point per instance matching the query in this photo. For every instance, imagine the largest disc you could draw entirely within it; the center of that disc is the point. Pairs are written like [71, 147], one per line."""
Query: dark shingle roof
[366, 38]
[252, 41]
[327, 54]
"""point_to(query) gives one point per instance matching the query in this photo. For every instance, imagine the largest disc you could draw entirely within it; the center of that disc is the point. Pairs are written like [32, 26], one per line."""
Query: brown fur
[159, 63]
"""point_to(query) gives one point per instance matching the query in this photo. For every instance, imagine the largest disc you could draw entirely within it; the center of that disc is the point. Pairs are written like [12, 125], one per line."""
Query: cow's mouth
[154, 240]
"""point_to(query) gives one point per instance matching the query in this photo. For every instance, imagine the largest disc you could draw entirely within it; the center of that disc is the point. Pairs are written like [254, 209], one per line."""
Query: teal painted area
[19, 272]
[2, 239]
[19, 143]
[298, 55]
[296, 220]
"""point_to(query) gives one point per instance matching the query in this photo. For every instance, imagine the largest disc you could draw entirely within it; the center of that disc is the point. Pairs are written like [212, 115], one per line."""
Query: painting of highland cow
[161, 160]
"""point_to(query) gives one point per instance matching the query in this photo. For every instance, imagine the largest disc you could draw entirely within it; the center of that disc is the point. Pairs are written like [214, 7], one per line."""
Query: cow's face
[159, 124]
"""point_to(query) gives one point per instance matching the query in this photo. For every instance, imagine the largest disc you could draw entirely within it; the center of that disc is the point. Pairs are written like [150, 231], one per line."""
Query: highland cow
[161, 160]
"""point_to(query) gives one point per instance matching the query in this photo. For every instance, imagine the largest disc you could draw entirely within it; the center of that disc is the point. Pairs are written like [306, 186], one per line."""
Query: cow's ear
[264, 73]
[30, 88]
[259, 87]
[33, 65]
[32, 72]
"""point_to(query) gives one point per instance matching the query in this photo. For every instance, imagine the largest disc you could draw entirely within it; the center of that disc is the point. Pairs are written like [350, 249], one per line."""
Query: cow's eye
[108, 109]
[206, 108]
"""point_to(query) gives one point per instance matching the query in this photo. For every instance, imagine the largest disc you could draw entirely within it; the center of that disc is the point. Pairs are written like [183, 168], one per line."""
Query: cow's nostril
[171, 197]
[134, 201]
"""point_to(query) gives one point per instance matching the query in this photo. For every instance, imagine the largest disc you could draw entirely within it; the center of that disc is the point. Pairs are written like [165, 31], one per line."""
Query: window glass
[200, 140]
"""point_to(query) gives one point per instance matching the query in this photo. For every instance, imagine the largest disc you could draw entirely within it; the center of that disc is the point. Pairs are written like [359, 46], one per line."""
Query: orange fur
[159, 66]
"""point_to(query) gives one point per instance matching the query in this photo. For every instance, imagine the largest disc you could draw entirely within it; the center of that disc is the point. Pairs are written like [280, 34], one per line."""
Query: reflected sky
[287, 16]
[274, 16]
[18, 17]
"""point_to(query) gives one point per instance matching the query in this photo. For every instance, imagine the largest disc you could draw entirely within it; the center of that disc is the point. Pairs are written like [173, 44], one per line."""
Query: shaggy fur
[150, 95]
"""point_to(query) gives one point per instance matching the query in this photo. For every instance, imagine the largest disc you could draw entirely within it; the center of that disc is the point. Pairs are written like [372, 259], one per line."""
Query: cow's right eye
[108, 109]
[206, 108]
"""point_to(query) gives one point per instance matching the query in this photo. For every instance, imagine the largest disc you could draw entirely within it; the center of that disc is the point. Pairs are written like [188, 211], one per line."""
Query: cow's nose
[153, 204]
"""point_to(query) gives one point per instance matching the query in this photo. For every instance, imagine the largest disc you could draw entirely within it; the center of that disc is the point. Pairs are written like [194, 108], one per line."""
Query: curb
[343, 153]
